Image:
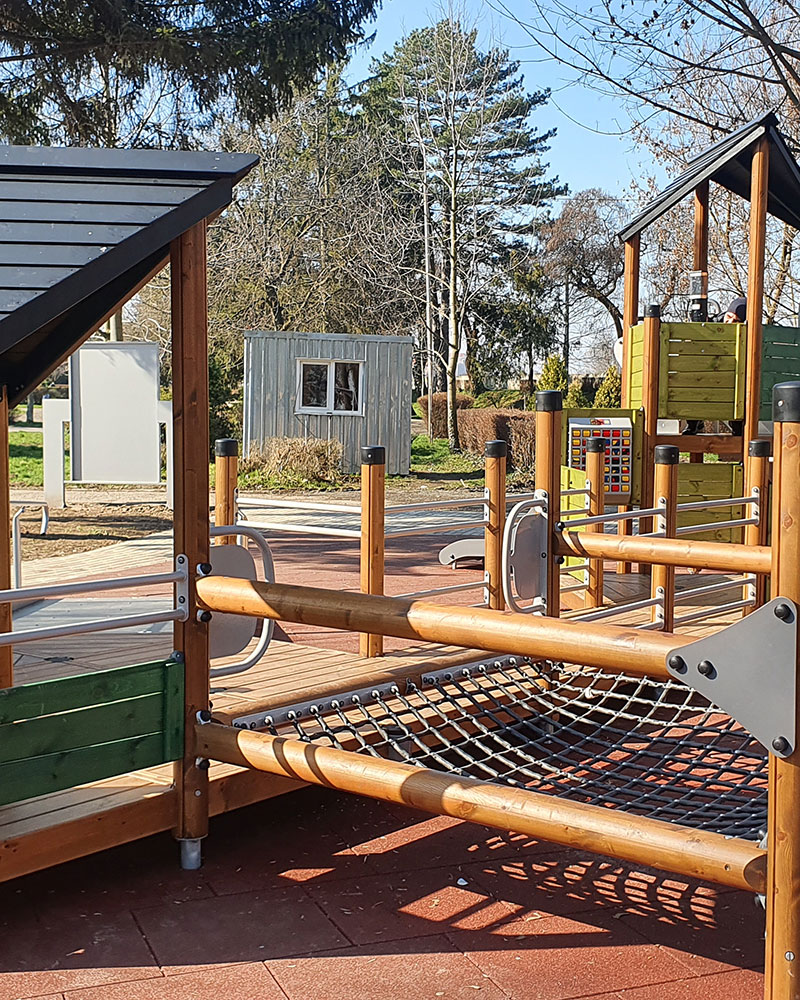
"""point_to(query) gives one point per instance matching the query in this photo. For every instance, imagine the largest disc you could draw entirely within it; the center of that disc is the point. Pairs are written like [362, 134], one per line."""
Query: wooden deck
[51, 829]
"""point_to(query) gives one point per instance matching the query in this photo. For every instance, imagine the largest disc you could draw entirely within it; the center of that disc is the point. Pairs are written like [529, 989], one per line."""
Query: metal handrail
[435, 529]
[624, 515]
[303, 529]
[695, 529]
[16, 539]
[619, 609]
[89, 586]
[299, 505]
[443, 590]
[79, 628]
[720, 502]
[713, 611]
[268, 624]
[714, 588]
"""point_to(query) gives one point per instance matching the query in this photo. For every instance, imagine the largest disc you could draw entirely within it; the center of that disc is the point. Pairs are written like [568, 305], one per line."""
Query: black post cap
[595, 444]
[760, 448]
[786, 403]
[666, 454]
[495, 449]
[549, 401]
[373, 454]
[226, 447]
[653, 311]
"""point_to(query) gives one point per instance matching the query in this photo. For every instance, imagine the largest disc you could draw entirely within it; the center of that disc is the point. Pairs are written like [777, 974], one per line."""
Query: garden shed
[356, 389]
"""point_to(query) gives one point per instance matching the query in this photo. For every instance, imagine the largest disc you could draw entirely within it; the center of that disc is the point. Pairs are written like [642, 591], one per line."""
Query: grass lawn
[25, 450]
[434, 456]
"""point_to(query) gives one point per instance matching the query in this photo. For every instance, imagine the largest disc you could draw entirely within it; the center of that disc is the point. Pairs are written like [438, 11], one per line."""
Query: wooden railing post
[650, 383]
[630, 317]
[548, 479]
[757, 478]
[373, 488]
[226, 466]
[665, 496]
[495, 456]
[595, 475]
[782, 960]
[191, 529]
[759, 185]
[6, 654]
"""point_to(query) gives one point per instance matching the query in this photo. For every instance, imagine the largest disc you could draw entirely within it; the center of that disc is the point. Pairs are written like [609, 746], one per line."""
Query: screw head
[677, 663]
[204, 568]
[204, 715]
[707, 669]
[783, 612]
[780, 744]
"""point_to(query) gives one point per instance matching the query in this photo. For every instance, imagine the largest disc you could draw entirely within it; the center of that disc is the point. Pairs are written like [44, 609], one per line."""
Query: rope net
[651, 748]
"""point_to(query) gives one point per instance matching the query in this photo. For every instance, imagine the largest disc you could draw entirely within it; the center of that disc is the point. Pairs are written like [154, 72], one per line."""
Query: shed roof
[81, 230]
[728, 163]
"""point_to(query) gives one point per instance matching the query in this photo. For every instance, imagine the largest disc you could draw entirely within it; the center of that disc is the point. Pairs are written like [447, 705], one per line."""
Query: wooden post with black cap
[495, 457]
[665, 496]
[226, 469]
[595, 475]
[373, 487]
[547, 478]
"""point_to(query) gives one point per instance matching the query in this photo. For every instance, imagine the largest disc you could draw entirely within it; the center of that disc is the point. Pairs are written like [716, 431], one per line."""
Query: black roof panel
[728, 163]
[80, 229]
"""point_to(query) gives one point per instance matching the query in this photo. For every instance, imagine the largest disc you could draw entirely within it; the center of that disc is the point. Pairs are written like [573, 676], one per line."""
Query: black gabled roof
[728, 163]
[80, 229]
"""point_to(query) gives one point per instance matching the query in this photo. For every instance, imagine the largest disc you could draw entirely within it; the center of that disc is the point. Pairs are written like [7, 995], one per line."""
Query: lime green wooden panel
[635, 417]
[66, 732]
[691, 380]
[711, 481]
[573, 479]
[716, 333]
[722, 363]
[711, 394]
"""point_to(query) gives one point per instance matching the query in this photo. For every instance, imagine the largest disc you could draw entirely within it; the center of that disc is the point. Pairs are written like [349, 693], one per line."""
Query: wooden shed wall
[270, 393]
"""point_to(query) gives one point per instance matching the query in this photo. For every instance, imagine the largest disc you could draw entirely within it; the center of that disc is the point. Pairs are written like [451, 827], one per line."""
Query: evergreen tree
[554, 375]
[576, 398]
[610, 392]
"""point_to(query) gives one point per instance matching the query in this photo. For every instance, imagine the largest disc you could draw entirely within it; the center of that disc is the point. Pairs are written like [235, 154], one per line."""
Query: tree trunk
[453, 324]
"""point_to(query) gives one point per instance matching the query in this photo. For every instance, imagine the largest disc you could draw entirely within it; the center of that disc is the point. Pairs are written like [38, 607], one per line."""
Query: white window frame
[328, 409]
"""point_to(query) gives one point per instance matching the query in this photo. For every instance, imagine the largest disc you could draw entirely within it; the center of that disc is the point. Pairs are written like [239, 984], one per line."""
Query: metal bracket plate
[526, 553]
[182, 587]
[749, 671]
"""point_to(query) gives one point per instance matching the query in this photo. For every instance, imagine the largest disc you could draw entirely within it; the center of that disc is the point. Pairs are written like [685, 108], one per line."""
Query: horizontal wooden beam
[608, 647]
[707, 444]
[694, 853]
[725, 557]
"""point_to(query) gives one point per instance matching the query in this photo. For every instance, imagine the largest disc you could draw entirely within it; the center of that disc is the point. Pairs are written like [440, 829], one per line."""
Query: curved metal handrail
[268, 624]
[513, 521]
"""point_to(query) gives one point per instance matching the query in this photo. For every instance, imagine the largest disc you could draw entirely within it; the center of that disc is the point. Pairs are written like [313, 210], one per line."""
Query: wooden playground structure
[627, 729]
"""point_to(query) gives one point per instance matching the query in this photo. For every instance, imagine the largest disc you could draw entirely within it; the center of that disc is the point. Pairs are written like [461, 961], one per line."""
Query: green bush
[576, 398]
[609, 395]
[554, 375]
[508, 399]
[515, 427]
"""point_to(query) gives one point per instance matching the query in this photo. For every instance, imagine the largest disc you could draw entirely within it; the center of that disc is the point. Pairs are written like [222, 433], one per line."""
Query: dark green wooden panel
[66, 732]
[66, 693]
[26, 779]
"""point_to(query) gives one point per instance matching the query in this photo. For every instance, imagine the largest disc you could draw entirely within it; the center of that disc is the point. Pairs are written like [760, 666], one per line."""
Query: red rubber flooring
[319, 896]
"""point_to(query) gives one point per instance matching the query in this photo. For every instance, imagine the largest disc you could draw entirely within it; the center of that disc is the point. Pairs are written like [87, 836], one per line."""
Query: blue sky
[582, 153]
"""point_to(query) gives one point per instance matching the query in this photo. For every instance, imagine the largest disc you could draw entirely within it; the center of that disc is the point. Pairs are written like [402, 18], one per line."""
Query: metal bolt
[789, 956]
[203, 764]
[560, 525]
[780, 744]
[707, 669]
[203, 569]
[559, 560]
[678, 664]
[783, 612]
[204, 616]
[204, 715]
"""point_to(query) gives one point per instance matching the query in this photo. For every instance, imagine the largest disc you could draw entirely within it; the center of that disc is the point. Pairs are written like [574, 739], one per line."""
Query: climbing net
[651, 748]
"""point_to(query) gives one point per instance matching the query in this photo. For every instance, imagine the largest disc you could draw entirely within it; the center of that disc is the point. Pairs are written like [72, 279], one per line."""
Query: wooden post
[595, 474]
[6, 652]
[758, 475]
[701, 227]
[782, 960]
[650, 380]
[226, 457]
[548, 479]
[373, 488]
[495, 455]
[665, 495]
[630, 317]
[759, 181]
[191, 452]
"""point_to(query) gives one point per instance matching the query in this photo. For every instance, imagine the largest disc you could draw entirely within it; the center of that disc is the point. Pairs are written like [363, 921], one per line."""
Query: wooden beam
[700, 256]
[759, 471]
[696, 853]
[724, 557]
[596, 480]
[665, 495]
[650, 382]
[782, 959]
[630, 309]
[759, 183]
[609, 647]
[6, 652]
[495, 457]
[372, 557]
[226, 477]
[547, 478]
[191, 458]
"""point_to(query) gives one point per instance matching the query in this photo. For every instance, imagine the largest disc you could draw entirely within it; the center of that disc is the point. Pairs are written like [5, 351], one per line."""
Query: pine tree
[609, 395]
[576, 398]
[554, 375]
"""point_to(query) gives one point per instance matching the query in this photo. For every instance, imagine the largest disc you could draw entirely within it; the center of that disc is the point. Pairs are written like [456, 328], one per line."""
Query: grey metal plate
[529, 541]
[753, 673]
[230, 634]
[464, 548]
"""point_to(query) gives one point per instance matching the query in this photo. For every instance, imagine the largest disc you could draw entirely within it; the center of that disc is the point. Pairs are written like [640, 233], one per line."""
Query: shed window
[329, 386]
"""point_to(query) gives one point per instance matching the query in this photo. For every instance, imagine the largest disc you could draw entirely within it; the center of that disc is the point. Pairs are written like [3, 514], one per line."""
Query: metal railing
[16, 539]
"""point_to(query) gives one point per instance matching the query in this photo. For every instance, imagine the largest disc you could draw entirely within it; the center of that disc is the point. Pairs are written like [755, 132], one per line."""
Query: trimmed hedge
[439, 415]
[515, 427]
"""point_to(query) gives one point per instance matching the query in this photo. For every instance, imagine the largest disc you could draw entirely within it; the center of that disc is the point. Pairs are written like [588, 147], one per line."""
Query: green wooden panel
[780, 361]
[111, 722]
[697, 332]
[783, 367]
[709, 349]
[66, 693]
[701, 363]
[782, 351]
[700, 411]
[26, 779]
[688, 380]
[780, 335]
[573, 479]
[711, 481]
[81, 728]
[679, 394]
[637, 364]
